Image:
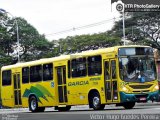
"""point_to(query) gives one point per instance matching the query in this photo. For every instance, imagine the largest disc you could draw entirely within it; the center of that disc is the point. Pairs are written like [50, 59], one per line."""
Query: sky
[52, 17]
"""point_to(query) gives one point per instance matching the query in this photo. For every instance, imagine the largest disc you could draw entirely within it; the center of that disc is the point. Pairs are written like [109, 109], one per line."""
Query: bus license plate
[142, 99]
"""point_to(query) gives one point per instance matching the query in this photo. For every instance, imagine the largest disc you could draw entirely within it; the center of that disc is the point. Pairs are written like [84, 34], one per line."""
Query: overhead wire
[82, 27]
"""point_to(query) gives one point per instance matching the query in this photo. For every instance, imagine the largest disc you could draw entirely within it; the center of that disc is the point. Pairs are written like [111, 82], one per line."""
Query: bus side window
[47, 72]
[36, 73]
[113, 63]
[107, 73]
[69, 68]
[6, 77]
[94, 65]
[25, 75]
[79, 67]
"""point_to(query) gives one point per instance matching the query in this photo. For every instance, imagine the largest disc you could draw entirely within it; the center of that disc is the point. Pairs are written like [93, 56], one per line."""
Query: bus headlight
[156, 87]
[125, 89]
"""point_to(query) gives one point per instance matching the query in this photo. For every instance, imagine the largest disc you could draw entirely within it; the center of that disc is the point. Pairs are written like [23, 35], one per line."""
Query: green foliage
[32, 45]
[141, 28]
[5, 40]
[81, 43]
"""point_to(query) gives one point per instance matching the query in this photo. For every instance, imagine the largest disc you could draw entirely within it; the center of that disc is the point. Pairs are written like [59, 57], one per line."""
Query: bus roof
[67, 57]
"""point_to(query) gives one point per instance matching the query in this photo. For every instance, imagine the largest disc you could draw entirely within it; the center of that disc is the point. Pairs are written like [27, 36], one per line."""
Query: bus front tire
[95, 101]
[128, 105]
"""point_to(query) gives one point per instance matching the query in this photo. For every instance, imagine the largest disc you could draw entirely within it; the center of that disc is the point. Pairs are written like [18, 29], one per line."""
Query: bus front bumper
[141, 97]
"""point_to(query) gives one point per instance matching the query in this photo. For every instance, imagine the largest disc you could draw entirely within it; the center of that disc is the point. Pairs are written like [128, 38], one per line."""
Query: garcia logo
[78, 83]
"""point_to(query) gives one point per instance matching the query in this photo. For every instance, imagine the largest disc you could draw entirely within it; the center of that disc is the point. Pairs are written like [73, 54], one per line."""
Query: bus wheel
[67, 108]
[33, 105]
[128, 105]
[95, 101]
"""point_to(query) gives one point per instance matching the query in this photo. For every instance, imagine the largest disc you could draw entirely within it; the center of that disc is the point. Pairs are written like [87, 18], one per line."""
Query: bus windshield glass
[134, 69]
[137, 68]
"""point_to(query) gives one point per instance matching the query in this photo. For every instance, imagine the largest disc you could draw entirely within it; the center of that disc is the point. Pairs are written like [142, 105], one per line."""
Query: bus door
[62, 87]
[110, 77]
[17, 89]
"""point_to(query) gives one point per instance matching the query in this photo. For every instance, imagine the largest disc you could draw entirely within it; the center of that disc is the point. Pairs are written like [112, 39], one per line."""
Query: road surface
[147, 111]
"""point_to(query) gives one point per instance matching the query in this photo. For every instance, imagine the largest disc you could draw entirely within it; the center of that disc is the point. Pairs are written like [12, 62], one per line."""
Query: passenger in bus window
[133, 70]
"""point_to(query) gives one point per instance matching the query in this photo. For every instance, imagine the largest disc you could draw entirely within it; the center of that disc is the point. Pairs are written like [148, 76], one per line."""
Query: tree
[32, 45]
[141, 27]
[81, 43]
[5, 40]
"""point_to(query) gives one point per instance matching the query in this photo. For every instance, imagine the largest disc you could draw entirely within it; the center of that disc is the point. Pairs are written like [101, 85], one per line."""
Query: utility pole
[124, 36]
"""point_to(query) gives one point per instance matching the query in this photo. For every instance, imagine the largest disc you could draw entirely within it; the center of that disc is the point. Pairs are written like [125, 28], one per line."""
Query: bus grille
[140, 86]
[142, 91]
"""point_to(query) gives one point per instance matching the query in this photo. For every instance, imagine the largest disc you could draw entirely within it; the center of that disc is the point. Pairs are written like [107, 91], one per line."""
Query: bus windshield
[137, 69]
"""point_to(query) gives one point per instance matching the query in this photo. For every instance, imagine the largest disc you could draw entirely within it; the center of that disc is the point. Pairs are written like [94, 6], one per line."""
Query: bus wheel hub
[95, 101]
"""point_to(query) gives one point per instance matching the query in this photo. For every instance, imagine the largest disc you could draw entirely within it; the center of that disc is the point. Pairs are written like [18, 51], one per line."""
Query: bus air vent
[140, 86]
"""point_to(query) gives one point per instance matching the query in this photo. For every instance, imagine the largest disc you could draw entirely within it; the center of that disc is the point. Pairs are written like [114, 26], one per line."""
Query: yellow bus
[121, 75]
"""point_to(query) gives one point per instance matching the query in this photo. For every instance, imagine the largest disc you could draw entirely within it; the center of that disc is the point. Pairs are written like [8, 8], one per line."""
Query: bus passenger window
[107, 73]
[25, 75]
[69, 68]
[47, 72]
[113, 63]
[6, 77]
[36, 73]
[94, 65]
[79, 67]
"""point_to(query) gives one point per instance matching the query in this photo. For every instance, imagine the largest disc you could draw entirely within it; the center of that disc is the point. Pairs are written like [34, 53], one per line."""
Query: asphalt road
[148, 111]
